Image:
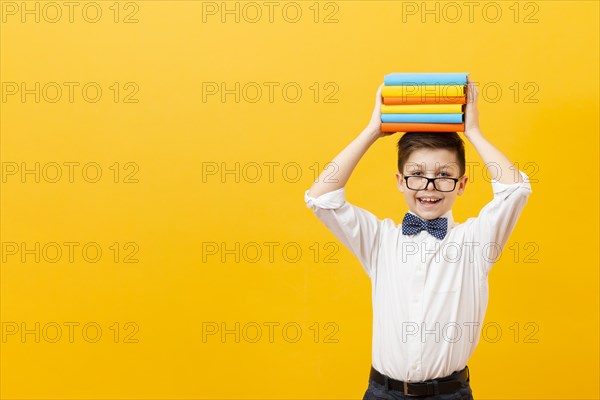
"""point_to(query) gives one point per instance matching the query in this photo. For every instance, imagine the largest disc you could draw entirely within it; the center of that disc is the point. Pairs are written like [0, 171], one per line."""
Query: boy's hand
[471, 111]
[374, 125]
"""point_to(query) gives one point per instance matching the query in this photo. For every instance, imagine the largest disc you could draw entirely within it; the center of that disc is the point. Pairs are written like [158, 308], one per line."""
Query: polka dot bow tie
[412, 224]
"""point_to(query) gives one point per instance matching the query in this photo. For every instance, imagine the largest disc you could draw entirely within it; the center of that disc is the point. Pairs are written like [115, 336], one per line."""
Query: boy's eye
[418, 173]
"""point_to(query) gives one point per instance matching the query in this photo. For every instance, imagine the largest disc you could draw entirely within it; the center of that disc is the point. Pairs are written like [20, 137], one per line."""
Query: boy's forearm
[500, 167]
[336, 174]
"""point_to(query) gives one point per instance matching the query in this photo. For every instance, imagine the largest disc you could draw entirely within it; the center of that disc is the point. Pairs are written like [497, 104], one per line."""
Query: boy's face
[431, 163]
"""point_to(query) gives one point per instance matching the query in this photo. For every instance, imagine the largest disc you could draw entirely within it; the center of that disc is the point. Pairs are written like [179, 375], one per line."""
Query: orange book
[425, 100]
[421, 127]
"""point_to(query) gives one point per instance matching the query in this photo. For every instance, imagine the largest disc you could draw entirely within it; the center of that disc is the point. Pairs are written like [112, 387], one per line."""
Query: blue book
[425, 78]
[440, 118]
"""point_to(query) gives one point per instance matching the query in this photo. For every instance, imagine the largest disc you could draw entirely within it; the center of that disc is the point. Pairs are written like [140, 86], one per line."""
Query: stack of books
[424, 102]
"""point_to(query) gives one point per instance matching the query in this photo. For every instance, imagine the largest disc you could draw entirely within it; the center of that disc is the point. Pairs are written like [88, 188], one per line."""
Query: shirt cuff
[499, 187]
[328, 201]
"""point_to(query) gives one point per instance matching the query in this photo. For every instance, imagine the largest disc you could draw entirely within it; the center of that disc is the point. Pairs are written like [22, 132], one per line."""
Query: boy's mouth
[428, 201]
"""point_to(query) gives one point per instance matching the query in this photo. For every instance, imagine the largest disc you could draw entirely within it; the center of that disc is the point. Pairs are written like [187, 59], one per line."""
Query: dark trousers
[376, 391]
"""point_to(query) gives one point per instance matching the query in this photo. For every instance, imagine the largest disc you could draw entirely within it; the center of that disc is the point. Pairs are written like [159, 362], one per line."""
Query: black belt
[447, 384]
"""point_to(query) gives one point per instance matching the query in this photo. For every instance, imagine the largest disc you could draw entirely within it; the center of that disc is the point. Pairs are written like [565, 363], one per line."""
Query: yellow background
[170, 132]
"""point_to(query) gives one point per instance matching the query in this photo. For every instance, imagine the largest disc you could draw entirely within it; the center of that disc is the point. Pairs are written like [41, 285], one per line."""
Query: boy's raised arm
[496, 221]
[500, 167]
[345, 162]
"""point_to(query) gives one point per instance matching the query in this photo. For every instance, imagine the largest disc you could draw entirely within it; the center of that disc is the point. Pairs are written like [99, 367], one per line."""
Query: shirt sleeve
[497, 219]
[358, 229]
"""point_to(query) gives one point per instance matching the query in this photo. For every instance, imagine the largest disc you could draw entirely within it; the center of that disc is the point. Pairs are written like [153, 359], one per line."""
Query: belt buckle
[406, 390]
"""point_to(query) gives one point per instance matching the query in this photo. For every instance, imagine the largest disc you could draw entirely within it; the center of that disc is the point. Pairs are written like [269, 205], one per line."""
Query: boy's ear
[400, 180]
[462, 184]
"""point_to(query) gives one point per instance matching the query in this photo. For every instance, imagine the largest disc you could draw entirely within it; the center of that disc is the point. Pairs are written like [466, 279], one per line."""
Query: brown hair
[412, 141]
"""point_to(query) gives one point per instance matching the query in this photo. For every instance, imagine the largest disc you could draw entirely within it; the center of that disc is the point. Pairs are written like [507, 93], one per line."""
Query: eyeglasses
[421, 182]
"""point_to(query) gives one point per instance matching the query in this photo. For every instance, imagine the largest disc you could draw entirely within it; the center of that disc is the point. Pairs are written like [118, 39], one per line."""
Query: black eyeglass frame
[431, 180]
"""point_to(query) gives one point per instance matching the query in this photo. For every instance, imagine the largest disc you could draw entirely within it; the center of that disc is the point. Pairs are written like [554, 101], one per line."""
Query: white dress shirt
[429, 296]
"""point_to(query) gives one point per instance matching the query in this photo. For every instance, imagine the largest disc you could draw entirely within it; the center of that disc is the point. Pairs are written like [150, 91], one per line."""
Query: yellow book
[423, 91]
[422, 109]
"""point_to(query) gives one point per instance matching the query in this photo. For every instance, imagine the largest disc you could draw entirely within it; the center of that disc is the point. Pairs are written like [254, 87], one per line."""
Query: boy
[429, 275]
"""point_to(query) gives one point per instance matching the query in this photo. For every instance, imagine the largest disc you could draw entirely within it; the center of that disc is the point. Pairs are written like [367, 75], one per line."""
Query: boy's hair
[412, 141]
